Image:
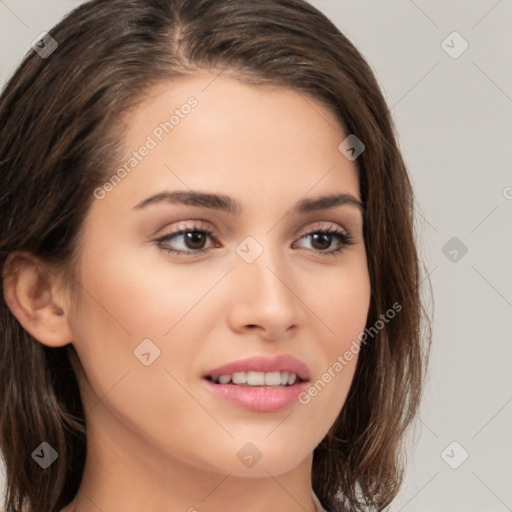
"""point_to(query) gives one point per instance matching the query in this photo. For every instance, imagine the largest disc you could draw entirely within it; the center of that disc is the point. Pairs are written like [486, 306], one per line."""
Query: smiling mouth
[257, 379]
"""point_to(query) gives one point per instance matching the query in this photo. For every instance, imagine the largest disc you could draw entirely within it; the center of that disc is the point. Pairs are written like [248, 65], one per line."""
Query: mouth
[271, 371]
[260, 383]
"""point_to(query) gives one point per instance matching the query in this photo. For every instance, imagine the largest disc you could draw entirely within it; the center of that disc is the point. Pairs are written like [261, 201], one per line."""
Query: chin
[273, 462]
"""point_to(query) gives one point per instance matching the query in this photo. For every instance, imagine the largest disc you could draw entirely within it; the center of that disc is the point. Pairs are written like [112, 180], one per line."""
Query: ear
[32, 293]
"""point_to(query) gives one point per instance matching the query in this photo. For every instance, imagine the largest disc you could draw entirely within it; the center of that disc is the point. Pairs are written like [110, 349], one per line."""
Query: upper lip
[280, 363]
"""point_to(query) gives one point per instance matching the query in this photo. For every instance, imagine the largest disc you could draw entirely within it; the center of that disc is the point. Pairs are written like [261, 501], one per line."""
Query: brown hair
[61, 133]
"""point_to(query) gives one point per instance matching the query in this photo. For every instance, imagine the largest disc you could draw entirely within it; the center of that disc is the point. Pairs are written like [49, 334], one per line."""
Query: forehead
[217, 134]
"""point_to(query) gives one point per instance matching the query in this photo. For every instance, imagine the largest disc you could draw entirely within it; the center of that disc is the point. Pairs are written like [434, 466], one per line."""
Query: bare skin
[158, 438]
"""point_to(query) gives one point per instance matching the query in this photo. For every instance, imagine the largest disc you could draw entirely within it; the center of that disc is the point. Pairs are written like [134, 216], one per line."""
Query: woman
[209, 272]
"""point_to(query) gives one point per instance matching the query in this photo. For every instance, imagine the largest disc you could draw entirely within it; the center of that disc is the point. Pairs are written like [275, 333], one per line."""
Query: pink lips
[260, 398]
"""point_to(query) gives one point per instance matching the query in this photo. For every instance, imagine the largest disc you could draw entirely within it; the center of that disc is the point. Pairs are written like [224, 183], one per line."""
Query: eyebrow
[229, 205]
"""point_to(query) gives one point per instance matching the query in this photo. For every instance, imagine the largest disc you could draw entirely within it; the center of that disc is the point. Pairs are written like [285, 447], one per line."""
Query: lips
[281, 363]
[260, 383]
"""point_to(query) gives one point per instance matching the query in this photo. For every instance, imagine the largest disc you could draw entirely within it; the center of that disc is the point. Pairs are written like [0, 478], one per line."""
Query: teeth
[258, 378]
[272, 379]
[239, 378]
[255, 378]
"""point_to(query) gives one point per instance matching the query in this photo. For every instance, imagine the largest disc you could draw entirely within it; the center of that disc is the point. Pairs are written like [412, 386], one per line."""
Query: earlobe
[29, 291]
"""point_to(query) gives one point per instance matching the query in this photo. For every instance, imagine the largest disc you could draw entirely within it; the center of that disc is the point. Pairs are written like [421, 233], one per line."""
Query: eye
[193, 239]
[322, 239]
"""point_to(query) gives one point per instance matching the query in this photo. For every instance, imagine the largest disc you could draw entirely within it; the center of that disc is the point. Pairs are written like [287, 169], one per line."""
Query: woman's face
[263, 282]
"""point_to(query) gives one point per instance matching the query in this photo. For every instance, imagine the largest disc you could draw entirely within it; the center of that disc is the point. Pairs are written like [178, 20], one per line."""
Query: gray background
[453, 117]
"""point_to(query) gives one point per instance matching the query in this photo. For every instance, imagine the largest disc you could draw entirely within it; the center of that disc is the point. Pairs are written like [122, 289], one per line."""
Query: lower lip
[259, 398]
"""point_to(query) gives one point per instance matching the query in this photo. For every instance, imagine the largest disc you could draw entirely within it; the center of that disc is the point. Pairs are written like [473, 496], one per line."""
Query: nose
[263, 298]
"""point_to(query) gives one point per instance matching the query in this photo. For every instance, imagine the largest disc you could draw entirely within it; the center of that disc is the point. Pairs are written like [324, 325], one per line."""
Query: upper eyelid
[324, 225]
[205, 226]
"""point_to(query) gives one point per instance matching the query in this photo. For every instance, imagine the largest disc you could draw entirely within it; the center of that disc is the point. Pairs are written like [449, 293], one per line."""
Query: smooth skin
[158, 439]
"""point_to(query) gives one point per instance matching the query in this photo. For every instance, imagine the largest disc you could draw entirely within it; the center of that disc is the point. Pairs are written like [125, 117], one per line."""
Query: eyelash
[344, 239]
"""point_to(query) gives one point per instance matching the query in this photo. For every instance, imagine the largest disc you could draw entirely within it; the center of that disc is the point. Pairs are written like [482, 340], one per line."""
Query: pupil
[325, 237]
[194, 239]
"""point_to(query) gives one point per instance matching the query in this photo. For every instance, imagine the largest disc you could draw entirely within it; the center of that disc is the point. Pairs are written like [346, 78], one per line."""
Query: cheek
[127, 306]
[128, 299]
[137, 295]
[343, 300]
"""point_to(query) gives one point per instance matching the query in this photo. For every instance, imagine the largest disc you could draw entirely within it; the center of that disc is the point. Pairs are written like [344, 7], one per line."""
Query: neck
[124, 472]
